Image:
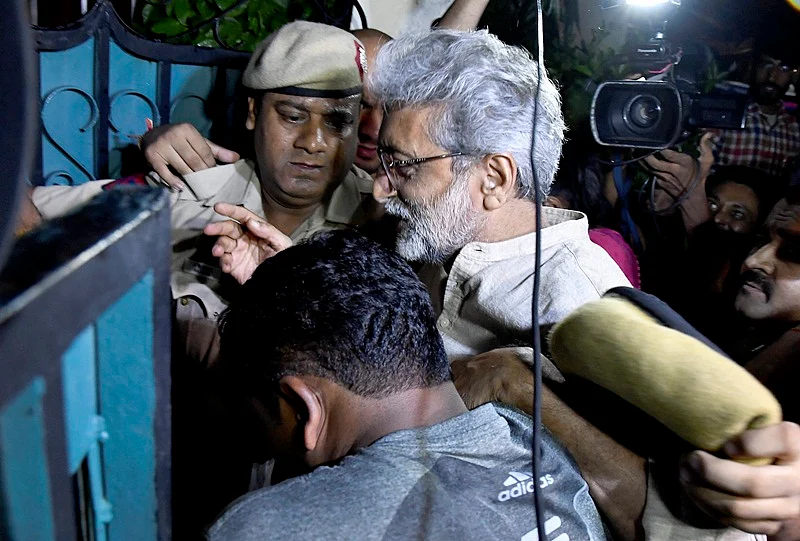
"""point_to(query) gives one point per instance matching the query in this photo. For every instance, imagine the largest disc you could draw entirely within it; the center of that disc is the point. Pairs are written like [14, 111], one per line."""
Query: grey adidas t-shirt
[468, 478]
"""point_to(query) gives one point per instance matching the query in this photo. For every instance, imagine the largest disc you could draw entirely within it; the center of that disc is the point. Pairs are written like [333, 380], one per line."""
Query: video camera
[662, 111]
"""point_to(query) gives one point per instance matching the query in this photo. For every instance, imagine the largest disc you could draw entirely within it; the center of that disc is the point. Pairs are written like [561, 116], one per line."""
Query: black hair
[777, 38]
[793, 194]
[580, 179]
[766, 187]
[337, 306]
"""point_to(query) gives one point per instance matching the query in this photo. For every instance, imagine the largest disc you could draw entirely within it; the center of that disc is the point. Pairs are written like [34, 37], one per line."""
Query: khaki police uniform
[198, 286]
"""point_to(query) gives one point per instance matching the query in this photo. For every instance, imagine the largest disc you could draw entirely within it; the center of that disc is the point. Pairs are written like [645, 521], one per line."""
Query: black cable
[537, 345]
[361, 14]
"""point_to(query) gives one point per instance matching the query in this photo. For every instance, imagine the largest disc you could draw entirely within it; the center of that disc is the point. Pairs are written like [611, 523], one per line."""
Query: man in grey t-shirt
[333, 347]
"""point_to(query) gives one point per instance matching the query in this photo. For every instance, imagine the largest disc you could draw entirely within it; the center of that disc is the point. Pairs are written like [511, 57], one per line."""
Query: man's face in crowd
[772, 78]
[304, 146]
[436, 209]
[734, 207]
[369, 124]
[771, 274]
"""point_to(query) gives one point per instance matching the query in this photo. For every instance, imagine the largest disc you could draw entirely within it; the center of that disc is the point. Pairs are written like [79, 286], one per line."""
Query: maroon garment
[619, 250]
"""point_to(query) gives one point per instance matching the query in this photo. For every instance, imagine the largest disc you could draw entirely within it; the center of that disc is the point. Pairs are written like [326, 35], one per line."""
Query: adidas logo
[515, 477]
[522, 484]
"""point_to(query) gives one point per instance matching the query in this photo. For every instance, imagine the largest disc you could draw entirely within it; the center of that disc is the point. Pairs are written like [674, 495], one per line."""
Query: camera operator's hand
[184, 149]
[681, 177]
[676, 172]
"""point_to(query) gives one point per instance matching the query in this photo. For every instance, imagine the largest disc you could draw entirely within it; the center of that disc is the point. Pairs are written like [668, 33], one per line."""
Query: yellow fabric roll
[700, 395]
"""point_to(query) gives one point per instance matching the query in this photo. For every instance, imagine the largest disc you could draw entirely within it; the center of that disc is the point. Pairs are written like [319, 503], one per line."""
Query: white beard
[432, 231]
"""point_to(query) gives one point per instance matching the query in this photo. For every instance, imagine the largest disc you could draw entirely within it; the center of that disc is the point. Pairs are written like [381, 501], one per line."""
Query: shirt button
[446, 323]
[184, 301]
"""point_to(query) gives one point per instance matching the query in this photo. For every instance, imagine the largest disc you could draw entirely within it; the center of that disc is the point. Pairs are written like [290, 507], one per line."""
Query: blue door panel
[132, 86]
[79, 377]
[190, 89]
[26, 505]
[69, 114]
[127, 394]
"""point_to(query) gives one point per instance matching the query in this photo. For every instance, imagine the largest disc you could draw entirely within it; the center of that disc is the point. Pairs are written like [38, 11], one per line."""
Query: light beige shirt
[484, 302]
[195, 283]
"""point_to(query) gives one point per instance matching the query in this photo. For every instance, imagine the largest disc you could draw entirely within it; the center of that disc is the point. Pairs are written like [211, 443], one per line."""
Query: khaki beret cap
[308, 59]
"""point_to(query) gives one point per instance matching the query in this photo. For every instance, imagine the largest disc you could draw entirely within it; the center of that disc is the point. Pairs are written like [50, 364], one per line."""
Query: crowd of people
[356, 298]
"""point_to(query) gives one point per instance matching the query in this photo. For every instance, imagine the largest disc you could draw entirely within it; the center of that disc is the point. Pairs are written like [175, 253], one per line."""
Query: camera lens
[642, 113]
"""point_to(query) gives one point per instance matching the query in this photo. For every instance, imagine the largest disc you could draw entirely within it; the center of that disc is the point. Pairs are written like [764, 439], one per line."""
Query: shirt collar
[344, 202]
[558, 226]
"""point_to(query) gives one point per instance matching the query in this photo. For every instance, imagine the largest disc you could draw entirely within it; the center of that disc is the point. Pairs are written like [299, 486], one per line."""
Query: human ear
[250, 124]
[310, 410]
[500, 179]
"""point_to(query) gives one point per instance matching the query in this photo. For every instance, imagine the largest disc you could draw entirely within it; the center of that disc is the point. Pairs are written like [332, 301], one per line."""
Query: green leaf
[168, 27]
[147, 12]
[224, 4]
[182, 10]
[249, 42]
[230, 32]
[205, 10]
[238, 11]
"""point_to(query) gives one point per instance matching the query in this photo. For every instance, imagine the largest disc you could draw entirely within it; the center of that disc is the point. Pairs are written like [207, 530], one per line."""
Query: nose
[382, 189]
[762, 259]
[722, 220]
[312, 136]
[774, 74]
[369, 125]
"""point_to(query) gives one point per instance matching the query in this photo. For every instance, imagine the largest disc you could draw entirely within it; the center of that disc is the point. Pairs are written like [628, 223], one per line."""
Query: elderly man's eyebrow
[391, 148]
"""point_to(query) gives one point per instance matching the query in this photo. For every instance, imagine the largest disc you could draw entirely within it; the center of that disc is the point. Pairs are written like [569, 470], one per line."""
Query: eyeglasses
[390, 164]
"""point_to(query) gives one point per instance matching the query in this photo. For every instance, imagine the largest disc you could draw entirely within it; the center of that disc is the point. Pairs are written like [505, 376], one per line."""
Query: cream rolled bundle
[699, 394]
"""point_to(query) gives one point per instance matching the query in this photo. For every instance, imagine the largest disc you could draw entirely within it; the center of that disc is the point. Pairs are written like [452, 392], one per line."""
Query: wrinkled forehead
[405, 128]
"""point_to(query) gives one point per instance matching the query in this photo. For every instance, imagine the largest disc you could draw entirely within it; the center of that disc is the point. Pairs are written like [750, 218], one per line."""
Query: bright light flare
[650, 3]
[606, 4]
[794, 3]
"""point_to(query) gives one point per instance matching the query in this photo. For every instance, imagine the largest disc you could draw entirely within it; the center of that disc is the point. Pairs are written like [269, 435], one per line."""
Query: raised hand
[676, 172]
[244, 241]
[183, 148]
